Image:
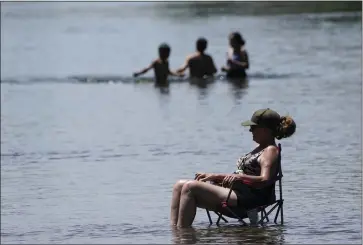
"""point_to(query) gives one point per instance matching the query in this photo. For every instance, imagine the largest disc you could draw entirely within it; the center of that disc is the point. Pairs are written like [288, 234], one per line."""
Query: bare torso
[161, 71]
[201, 65]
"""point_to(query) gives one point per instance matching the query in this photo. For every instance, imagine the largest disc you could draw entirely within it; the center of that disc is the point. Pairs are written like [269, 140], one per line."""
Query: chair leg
[267, 220]
[226, 221]
[277, 212]
[268, 213]
[236, 216]
[220, 216]
[282, 212]
[264, 216]
[210, 219]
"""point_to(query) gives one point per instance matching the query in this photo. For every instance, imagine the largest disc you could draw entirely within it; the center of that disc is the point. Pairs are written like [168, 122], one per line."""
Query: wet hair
[237, 37]
[201, 44]
[164, 47]
[286, 128]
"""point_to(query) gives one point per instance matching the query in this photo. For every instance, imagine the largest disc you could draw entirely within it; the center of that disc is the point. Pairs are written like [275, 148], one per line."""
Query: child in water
[199, 63]
[237, 57]
[160, 66]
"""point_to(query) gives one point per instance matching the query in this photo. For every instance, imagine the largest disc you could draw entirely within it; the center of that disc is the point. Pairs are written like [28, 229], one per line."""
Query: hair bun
[286, 128]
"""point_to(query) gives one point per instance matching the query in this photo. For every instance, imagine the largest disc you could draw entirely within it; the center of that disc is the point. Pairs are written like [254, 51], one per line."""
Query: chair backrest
[277, 178]
[279, 174]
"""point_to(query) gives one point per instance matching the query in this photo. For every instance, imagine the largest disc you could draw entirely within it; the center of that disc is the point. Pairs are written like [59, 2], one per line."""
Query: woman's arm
[210, 177]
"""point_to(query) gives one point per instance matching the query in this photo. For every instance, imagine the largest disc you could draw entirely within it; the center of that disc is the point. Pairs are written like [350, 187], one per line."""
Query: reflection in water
[229, 234]
[202, 85]
[238, 87]
[184, 235]
[164, 89]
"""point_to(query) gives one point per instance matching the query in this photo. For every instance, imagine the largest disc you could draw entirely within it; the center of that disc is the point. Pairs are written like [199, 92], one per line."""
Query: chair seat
[242, 212]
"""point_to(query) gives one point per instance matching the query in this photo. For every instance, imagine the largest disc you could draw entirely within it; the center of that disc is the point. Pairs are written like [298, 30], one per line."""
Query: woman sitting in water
[237, 57]
[257, 167]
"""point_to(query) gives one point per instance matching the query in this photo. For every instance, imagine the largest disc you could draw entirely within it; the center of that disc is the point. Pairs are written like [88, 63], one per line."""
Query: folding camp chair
[241, 213]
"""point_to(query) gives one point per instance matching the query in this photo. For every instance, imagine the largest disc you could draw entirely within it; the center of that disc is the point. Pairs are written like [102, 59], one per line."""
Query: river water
[89, 155]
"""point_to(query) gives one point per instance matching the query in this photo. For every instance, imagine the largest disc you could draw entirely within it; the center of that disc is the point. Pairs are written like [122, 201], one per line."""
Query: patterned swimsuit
[248, 164]
[249, 197]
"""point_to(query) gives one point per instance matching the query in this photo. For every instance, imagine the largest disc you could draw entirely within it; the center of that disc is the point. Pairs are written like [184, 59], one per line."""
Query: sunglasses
[253, 127]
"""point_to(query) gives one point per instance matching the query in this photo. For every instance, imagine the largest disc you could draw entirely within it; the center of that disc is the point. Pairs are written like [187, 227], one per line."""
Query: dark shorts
[248, 197]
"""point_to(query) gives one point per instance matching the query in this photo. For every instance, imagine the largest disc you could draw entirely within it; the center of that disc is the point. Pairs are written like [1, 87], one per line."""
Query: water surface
[89, 155]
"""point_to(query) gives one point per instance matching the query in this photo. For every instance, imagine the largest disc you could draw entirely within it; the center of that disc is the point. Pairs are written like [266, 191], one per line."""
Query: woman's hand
[205, 177]
[229, 179]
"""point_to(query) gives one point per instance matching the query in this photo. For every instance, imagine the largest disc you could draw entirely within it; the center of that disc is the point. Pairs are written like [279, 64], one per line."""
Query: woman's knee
[190, 187]
[178, 186]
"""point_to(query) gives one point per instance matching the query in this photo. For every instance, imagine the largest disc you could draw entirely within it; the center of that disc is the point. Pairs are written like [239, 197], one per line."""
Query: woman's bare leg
[199, 194]
[174, 212]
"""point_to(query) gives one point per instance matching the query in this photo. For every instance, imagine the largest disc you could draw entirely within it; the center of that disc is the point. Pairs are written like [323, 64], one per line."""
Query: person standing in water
[160, 66]
[237, 57]
[200, 64]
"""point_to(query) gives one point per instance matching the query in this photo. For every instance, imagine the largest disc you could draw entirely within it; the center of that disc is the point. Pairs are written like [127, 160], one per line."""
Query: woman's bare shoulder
[271, 152]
